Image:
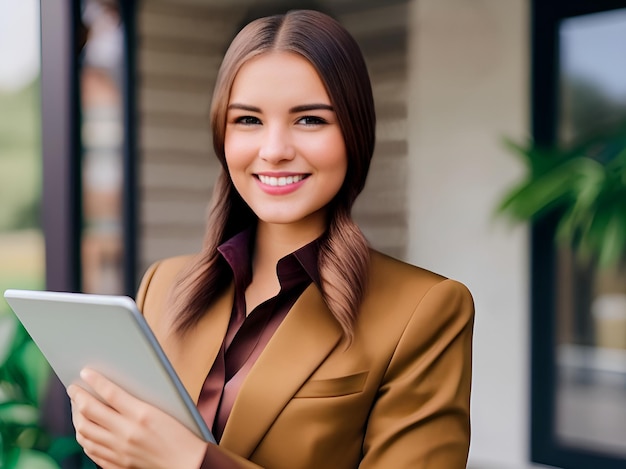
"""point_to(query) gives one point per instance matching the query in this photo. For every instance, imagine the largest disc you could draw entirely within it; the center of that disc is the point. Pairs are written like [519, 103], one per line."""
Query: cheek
[236, 153]
[333, 159]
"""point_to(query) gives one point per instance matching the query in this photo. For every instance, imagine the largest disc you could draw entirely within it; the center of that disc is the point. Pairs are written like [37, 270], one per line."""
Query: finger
[89, 433]
[95, 440]
[97, 443]
[128, 410]
[94, 419]
[103, 457]
[90, 406]
[112, 394]
[103, 462]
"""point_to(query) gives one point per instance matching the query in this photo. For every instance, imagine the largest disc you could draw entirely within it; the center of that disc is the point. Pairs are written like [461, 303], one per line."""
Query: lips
[280, 184]
[281, 181]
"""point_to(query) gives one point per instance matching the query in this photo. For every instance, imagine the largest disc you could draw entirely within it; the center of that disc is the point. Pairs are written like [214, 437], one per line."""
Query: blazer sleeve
[420, 418]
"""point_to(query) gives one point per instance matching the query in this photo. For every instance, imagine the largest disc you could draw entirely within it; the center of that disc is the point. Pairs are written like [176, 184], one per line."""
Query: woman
[302, 347]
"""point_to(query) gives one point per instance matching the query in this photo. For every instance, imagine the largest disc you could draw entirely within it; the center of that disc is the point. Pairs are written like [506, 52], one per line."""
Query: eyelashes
[247, 120]
[312, 120]
[304, 120]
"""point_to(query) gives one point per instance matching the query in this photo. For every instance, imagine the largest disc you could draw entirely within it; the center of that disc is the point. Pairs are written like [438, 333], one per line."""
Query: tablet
[109, 335]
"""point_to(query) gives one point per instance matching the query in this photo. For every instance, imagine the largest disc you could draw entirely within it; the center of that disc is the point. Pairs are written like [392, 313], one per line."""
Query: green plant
[24, 373]
[585, 186]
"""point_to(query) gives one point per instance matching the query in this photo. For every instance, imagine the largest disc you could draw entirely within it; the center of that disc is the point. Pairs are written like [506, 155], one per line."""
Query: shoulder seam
[145, 285]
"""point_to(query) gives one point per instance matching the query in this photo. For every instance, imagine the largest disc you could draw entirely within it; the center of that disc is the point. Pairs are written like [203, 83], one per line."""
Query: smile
[282, 180]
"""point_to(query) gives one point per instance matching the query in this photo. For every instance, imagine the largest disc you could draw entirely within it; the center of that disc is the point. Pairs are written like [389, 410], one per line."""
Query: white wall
[469, 87]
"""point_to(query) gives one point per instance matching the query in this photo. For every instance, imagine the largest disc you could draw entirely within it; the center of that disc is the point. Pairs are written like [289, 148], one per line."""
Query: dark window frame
[130, 216]
[545, 448]
[61, 146]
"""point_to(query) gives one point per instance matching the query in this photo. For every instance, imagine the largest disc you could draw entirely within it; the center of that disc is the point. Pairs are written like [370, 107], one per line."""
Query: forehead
[278, 75]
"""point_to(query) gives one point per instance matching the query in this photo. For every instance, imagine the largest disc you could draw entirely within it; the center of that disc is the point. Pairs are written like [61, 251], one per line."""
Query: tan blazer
[397, 397]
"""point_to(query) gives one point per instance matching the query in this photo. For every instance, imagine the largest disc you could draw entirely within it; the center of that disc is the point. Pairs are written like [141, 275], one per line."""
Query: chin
[277, 219]
[301, 220]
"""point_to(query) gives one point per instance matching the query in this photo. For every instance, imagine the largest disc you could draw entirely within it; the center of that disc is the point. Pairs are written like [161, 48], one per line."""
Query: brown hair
[344, 254]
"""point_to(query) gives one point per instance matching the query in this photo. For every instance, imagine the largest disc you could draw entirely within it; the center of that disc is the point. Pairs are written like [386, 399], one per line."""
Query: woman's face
[284, 149]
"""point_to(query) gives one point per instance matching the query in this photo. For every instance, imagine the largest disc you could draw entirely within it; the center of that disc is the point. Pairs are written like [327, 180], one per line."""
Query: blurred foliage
[585, 186]
[24, 374]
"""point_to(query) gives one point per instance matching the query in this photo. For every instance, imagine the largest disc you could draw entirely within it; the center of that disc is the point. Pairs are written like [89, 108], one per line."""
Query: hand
[121, 431]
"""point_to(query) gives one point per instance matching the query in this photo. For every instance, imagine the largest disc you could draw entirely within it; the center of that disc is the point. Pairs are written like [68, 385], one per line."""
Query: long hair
[343, 260]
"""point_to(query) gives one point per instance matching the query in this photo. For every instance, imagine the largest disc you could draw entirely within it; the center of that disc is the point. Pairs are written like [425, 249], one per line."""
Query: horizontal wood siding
[381, 30]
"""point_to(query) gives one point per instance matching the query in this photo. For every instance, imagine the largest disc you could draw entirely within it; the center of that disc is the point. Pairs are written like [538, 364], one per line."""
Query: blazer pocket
[334, 387]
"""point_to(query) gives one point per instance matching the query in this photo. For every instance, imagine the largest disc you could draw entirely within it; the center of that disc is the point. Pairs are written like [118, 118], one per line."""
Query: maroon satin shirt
[246, 337]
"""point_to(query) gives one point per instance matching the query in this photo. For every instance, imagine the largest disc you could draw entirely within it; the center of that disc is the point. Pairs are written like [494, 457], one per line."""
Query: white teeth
[280, 181]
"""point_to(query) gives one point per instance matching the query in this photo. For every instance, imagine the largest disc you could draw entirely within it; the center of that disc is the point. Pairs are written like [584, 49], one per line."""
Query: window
[88, 144]
[591, 302]
[579, 310]
[21, 239]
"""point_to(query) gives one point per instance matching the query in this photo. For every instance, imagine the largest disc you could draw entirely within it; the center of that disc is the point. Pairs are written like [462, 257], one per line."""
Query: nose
[277, 145]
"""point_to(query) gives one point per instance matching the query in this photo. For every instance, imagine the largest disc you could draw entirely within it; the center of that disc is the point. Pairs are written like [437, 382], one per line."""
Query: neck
[275, 241]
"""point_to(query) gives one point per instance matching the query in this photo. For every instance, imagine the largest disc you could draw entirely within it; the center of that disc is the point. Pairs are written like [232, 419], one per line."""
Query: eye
[311, 120]
[248, 120]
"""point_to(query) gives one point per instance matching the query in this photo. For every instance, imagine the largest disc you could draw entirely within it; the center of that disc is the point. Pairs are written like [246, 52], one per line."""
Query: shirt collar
[237, 252]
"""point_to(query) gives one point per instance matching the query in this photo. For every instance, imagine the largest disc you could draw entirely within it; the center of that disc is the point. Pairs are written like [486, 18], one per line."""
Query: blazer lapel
[307, 335]
[192, 355]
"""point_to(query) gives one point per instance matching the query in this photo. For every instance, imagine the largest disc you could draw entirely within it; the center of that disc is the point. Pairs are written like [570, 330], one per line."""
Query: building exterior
[451, 78]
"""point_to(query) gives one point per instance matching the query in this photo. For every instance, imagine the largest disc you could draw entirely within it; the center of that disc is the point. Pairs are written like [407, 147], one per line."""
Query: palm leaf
[584, 186]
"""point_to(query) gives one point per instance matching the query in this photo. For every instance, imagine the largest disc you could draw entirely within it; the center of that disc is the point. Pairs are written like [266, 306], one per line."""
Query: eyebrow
[310, 107]
[243, 107]
[293, 110]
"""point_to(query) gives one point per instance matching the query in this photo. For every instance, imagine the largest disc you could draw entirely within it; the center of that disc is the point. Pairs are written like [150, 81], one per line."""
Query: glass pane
[102, 145]
[21, 242]
[24, 372]
[591, 355]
